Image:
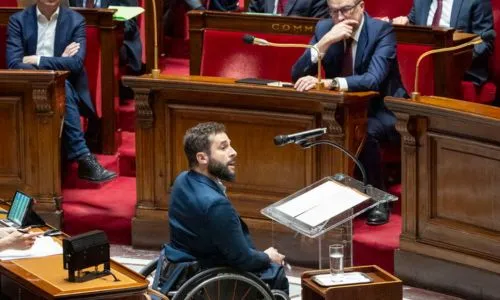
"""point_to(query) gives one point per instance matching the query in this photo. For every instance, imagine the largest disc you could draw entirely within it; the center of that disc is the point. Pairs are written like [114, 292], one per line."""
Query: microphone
[478, 40]
[250, 39]
[281, 140]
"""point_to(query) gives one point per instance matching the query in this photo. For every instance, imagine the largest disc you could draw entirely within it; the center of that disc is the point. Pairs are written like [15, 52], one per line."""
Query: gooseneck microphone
[281, 140]
[250, 39]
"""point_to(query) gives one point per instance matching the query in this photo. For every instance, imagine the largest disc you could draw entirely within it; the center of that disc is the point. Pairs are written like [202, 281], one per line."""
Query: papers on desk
[43, 246]
[322, 203]
[124, 13]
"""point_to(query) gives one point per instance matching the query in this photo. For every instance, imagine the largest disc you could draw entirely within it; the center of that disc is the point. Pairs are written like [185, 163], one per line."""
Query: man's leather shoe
[378, 215]
[90, 169]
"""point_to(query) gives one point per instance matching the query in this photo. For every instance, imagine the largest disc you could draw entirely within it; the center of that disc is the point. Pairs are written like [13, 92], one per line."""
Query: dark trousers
[73, 138]
[275, 277]
[381, 129]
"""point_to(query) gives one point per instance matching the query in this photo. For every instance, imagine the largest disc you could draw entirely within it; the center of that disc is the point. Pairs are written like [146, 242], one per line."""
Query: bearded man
[204, 225]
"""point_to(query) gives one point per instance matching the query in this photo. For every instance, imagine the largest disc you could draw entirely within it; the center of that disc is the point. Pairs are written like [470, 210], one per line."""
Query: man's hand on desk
[31, 60]
[308, 82]
[19, 241]
[401, 20]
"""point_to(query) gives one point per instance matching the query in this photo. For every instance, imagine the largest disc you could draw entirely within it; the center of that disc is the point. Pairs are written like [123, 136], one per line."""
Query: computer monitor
[19, 209]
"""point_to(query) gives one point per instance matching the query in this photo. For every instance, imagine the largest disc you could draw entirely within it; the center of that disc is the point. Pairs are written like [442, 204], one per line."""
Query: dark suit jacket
[473, 16]
[131, 52]
[302, 8]
[22, 39]
[204, 226]
[375, 66]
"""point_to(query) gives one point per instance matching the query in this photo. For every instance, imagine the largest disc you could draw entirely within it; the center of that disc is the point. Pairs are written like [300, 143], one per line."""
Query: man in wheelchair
[204, 225]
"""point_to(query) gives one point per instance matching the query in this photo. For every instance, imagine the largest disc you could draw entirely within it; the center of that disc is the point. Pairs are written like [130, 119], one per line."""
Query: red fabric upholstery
[486, 94]
[92, 65]
[8, 3]
[389, 9]
[407, 58]
[225, 54]
[3, 44]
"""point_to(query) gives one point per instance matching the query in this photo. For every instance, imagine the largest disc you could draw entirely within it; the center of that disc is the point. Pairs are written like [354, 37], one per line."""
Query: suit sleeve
[229, 239]
[411, 15]
[319, 9]
[15, 50]
[73, 64]
[303, 66]
[482, 22]
[382, 60]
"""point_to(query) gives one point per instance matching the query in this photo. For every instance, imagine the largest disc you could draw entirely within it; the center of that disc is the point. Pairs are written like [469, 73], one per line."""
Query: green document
[124, 13]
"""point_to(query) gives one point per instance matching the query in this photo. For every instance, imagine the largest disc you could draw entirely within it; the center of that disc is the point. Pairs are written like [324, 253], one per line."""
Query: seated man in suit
[358, 53]
[204, 225]
[46, 36]
[299, 8]
[473, 16]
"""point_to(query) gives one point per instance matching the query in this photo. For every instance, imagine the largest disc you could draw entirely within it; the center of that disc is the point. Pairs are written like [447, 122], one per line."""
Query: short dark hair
[197, 140]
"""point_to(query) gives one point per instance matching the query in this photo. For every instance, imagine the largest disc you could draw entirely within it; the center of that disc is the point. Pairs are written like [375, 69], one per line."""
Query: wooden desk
[45, 278]
[253, 114]
[109, 32]
[31, 112]
[450, 238]
[384, 286]
[447, 69]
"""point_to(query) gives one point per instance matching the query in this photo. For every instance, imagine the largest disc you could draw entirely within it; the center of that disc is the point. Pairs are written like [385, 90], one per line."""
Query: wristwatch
[335, 85]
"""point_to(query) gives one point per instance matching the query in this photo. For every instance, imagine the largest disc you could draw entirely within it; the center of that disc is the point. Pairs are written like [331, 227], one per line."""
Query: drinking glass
[337, 261]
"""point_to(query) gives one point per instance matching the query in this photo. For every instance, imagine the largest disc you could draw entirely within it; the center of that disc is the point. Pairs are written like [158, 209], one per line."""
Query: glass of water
[337, 261]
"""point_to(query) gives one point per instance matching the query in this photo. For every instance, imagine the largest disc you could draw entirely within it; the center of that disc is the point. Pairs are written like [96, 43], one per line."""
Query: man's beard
[220, 170]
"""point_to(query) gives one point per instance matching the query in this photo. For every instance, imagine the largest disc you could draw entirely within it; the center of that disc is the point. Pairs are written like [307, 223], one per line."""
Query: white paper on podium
[43, 246]
[322, 203]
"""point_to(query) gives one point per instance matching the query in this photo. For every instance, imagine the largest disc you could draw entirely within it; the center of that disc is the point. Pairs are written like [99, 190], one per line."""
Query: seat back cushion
[225, 54]
[389, 9]
[408, 55]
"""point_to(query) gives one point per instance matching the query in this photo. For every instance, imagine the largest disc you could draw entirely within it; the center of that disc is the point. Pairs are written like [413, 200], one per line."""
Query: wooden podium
[253, 115]
[384, 286]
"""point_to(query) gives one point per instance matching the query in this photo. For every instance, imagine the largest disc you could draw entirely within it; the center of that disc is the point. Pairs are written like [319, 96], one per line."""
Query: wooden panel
[11, 152]
[451, 207]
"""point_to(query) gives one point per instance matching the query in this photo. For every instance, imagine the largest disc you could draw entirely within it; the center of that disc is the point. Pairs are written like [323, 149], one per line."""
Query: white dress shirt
[445, 13]
[97, 3]
[354, 46]
[46, 34]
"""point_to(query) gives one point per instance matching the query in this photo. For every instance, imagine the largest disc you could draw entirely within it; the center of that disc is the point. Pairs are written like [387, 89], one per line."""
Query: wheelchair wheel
[280, 295]
[224, 284]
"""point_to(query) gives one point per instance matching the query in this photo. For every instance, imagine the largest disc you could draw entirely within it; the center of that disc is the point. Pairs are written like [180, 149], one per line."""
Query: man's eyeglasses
[345, 11]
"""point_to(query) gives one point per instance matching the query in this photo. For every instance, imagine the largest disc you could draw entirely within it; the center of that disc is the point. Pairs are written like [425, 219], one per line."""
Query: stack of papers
[43, 246]
[322, 203]
[124, 13]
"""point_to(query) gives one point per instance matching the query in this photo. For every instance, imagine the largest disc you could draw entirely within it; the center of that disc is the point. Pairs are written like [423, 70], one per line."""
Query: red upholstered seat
[389, 9]
[408, 55]
[92, 66]
[8, 3]
[3, 38]
[486, 94]
[225, 54]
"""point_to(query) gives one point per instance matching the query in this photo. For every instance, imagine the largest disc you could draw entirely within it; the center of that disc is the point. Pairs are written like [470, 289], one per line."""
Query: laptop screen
[19, 208]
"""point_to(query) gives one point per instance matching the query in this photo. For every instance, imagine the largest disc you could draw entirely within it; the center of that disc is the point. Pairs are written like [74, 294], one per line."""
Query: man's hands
[340, 31]
[71, 49]
[308, 82]
[274, 255]
[20, 241]
[401, 20]
[31, 60]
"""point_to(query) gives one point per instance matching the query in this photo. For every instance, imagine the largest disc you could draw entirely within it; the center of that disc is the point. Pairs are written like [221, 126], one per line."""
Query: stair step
[70, 173]
[126, 116]
[127, 154]
[110, 209]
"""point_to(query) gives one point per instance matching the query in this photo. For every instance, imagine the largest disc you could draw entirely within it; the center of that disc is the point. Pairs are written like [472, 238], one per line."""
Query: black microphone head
[280, 140]
[248, 38]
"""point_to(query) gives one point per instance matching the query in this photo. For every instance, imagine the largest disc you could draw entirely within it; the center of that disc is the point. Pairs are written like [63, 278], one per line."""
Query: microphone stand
[308, 144]
[319, 85]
